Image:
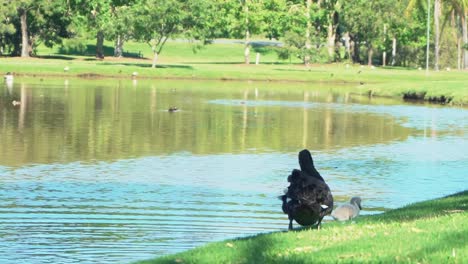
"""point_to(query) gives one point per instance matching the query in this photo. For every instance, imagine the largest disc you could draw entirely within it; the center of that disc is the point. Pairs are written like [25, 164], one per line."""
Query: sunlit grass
[428, 232]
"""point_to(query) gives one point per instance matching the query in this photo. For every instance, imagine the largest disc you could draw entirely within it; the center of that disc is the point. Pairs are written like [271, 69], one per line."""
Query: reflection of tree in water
[104, 121]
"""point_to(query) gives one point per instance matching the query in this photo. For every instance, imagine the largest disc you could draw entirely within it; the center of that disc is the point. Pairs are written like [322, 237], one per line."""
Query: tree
[241, 19]
[460, 9]
[331, 9]
[157, 21]
[437, 32]
[48, 24]
[297, 31]
[22, 7]
[274, 18]
[37, 21]
[121, 29]
[95, 16]
[7, 28]
[363, 20]
[305, 22]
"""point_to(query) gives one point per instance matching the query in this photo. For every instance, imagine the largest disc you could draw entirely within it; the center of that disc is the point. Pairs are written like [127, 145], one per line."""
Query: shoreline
[369, 239]
[445, 88]
[406, 97]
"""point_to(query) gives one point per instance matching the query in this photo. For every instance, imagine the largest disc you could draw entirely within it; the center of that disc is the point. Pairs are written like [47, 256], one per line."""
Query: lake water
[98, 171]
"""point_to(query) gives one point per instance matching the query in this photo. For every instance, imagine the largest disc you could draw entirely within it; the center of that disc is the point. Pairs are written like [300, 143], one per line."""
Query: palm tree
[461, 9]
[437, 32]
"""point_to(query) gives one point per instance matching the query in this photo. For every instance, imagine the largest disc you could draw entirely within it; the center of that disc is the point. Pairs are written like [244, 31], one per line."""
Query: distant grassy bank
[224, 62]
[433, 231]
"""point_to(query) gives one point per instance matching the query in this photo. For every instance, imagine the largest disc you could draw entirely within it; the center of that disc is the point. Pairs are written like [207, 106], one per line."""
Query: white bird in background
[8, 77]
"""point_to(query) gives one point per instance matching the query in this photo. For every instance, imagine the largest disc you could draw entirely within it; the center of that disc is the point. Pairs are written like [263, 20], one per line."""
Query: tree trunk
[394, 42]
[118, 49]
[459, 53]
[356, 51]
[331, 36]
[456, 37]
[465, 39]
[308, 44]
[24, 33]
[384, 58]
[247, 34]
[370, 53]
[155, 59]
[247, 47]
[384, 53]
[100, 44]
[347, 45]
[437, 14]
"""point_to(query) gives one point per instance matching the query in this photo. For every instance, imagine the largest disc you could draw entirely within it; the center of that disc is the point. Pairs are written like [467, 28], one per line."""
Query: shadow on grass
[300, 70]
[148, 65]
[84, 50]
[241, 63]
[55, 57]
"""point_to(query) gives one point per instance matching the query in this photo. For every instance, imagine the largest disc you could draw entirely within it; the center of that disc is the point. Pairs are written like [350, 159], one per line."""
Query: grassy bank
[224, 62]
[433, 231]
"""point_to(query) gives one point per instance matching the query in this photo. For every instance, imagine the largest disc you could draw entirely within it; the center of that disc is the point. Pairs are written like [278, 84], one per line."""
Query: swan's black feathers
[308, 198]
[307, 164]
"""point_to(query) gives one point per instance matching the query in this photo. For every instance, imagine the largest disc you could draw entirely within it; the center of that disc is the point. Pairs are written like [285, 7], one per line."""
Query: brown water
[98, 171]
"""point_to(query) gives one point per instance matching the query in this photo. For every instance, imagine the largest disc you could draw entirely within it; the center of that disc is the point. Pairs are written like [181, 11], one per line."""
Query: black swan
[308, 198]
[348, 211]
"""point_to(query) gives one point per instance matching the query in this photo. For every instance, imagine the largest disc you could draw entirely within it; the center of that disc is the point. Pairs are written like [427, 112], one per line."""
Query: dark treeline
[380, 32]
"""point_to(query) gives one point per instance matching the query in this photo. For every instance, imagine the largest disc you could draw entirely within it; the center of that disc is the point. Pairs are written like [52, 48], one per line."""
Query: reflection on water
[105, 122]
[101, 172]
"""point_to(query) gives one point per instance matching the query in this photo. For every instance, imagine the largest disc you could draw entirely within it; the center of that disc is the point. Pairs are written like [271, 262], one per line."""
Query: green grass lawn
[224, 62]
[434, 231]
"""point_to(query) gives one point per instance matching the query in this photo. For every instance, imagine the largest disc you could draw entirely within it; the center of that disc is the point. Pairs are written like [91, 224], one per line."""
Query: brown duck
[308, 198]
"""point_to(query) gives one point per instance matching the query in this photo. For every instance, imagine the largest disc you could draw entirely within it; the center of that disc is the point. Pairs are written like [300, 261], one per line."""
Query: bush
[73, 47]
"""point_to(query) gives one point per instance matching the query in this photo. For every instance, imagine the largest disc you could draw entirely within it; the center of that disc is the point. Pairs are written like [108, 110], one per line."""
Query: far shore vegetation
[433, 231]
[223, 61]
[385, 54]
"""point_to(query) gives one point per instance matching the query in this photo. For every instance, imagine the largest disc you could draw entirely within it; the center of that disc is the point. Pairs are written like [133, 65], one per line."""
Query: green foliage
[48, 24]
[154, 22]
[45, 23]
[157, 21]
[7, 28]
[275, 18]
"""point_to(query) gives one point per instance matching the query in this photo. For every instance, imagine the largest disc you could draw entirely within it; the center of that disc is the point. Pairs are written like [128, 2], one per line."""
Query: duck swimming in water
[308, 198]
[173, 109]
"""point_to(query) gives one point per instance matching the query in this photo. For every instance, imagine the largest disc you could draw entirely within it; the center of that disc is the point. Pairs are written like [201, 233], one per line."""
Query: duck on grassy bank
[308, 198]
[348, 211]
